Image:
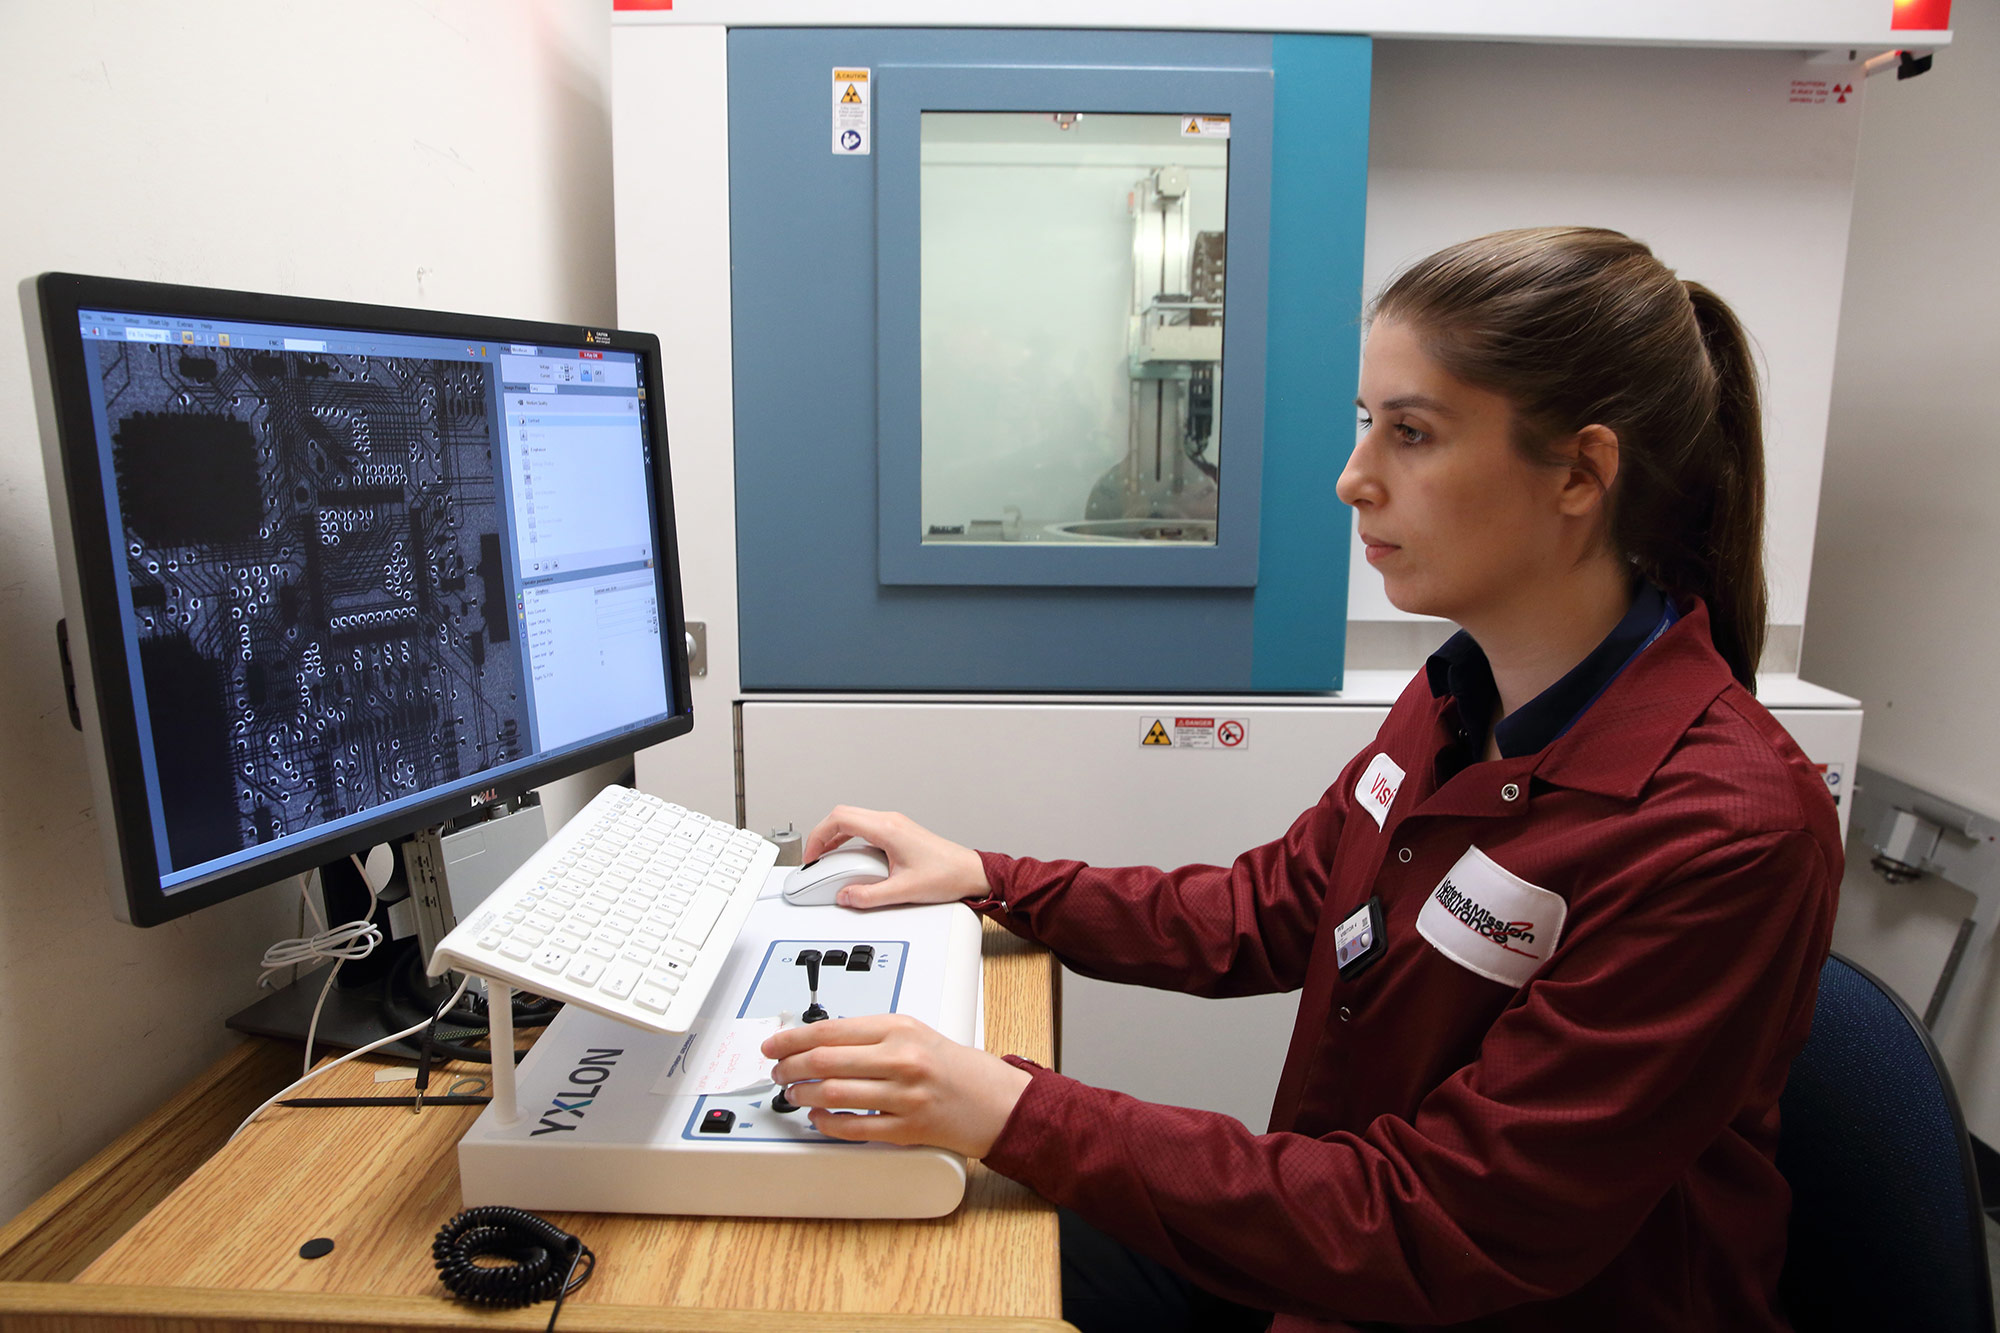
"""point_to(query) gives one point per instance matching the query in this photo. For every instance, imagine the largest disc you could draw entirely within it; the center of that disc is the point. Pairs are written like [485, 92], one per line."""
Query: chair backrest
[1887, 1229]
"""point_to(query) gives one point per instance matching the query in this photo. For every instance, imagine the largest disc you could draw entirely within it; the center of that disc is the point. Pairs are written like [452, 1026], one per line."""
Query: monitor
[334, 573]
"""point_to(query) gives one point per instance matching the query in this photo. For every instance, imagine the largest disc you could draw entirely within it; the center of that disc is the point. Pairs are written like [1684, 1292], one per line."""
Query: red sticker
[1920, 15]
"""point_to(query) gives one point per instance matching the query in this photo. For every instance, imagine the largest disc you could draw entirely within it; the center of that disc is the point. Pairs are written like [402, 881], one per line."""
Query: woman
[1559, 928]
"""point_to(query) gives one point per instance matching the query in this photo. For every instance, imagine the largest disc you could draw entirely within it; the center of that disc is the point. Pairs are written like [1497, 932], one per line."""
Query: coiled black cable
[543, 1258]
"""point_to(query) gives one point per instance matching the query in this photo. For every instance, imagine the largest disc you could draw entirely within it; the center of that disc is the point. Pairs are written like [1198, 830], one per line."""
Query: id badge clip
[1360, 940]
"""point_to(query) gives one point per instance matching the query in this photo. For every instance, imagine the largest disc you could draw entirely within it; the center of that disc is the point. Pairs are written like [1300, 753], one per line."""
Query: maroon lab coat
[1593, 1150]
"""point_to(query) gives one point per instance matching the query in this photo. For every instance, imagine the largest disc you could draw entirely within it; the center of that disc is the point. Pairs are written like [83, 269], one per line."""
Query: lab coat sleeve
[1244, 929]
[1521, 1175]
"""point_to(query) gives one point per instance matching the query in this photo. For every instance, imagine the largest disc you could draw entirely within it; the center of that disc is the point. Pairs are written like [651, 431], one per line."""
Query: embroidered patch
[1376, 791]
[1484, 917]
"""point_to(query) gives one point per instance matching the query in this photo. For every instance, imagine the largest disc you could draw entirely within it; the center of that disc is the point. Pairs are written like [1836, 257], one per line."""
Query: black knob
[783, 1105]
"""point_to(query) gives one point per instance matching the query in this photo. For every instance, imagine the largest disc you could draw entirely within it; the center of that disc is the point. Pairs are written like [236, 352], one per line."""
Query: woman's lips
[1377, 549]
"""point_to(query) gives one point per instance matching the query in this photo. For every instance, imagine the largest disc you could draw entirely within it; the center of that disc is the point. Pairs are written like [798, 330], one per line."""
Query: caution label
[1204, 127]
[1193, 733]
[850, 113]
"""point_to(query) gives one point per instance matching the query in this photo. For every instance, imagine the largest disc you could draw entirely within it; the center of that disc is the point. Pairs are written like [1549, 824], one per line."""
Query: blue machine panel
[826, 382]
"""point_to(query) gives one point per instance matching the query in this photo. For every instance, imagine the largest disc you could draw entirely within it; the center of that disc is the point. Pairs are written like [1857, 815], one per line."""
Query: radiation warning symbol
[1156, 736]
[850, 97]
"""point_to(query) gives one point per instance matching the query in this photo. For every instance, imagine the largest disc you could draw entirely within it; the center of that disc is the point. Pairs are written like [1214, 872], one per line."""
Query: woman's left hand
[928, 1088]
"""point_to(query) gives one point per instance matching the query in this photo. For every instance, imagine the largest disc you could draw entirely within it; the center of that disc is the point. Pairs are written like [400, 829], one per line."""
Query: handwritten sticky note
[723, 1058]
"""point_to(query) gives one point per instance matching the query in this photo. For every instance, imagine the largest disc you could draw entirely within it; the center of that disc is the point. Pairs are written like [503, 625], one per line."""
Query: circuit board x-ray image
[314, 549]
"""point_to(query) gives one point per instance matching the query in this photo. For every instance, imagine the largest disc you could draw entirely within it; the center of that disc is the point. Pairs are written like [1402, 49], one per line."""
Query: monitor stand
[352, 1016]
[441, 873]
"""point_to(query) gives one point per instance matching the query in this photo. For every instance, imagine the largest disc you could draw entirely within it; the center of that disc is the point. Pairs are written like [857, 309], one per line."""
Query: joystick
[810, 959]
[813, 1013]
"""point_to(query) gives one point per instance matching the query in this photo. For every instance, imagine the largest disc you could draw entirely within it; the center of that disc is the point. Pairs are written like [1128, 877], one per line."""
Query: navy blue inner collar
[1459, 669]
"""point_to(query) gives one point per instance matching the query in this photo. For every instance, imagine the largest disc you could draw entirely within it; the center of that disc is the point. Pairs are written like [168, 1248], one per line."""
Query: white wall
[1701, 154]
[452, 154]
[1903, 613]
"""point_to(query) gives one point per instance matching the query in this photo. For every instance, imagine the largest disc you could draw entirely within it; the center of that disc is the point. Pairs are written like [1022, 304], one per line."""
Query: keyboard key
[550, 960]
[701, 916]
[585, 971]
[619, 979]
[654, 998]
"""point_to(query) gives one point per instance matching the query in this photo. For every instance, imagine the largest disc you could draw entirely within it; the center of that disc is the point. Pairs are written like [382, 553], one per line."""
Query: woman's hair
[1579, 326]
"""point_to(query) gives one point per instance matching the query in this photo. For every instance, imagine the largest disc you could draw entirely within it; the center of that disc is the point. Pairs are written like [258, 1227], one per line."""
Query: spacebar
[700, 917]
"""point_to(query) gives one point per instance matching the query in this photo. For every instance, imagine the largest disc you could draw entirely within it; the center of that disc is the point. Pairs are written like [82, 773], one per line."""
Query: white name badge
[1376, 791]
[1490, 920]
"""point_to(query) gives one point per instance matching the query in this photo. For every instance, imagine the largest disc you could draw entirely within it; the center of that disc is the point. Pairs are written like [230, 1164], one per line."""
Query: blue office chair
[1887, 1230]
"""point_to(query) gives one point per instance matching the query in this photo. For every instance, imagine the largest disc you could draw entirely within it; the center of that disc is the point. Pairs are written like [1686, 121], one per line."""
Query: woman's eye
[1410, 434]
[1365, 423]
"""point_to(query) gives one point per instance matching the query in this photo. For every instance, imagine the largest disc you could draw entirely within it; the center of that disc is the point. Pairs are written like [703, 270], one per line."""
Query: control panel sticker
[856, 977]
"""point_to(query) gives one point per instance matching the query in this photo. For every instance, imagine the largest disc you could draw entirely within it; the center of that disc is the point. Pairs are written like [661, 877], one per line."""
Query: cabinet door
[1044, 365]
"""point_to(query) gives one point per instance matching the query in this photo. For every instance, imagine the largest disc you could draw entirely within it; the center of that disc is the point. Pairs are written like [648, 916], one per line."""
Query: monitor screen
[349, 571]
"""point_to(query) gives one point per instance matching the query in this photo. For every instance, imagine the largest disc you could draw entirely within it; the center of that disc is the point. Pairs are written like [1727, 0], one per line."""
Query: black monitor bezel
[62, 296]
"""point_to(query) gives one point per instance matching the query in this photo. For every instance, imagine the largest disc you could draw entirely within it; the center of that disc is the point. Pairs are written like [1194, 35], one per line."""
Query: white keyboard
[629, 911]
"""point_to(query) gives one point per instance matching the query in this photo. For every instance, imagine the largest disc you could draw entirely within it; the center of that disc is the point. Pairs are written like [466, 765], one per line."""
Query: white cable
[409, 1031]
[356, 939]
[353, 940]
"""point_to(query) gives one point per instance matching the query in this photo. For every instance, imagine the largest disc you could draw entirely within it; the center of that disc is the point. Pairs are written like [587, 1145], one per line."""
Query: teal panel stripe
[1319, 188]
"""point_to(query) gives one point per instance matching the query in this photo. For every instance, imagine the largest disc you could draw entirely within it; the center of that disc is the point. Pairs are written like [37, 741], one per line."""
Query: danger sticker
[1166, 731]
[850, 112]
[1205, 127]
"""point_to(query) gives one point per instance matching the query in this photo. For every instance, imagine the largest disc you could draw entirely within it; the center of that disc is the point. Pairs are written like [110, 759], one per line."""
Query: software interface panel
[361, 567]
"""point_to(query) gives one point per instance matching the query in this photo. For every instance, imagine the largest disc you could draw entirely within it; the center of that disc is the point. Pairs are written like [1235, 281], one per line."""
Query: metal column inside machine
[1165, 489]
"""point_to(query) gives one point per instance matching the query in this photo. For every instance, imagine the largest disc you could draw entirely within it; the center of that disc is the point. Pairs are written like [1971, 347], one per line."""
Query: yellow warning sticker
[1157, 735]
[851, 129]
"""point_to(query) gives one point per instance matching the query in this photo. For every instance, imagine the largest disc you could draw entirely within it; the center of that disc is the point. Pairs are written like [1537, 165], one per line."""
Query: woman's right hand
[923, 868]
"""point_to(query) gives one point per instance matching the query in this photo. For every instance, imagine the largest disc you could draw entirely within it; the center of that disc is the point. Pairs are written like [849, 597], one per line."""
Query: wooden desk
[162, 1231]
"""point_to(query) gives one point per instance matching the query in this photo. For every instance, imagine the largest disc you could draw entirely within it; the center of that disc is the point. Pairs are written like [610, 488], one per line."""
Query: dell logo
[480, 798]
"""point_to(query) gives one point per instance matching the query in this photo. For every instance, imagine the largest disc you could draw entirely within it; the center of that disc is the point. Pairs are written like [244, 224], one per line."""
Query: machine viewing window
[1072, 287]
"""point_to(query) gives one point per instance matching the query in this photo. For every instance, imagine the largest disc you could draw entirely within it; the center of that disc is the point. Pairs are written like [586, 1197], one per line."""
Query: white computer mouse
[816, 882]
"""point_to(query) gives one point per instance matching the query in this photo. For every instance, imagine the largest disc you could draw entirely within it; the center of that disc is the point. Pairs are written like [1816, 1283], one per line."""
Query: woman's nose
[1357, 484]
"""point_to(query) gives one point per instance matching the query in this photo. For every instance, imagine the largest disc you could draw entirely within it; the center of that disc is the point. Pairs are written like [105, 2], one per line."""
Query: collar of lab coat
[1617, 744]
[1621, 740]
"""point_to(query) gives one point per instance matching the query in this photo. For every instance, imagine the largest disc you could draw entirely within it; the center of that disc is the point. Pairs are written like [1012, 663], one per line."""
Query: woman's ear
[1593, 468]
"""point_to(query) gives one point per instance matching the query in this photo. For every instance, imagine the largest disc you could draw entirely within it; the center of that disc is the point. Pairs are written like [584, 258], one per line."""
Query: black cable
[534, 1248]
[408, 979]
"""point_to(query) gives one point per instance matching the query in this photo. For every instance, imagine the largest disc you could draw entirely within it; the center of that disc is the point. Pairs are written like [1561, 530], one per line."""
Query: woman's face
[1455, 520]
